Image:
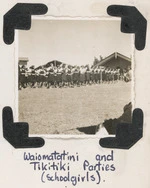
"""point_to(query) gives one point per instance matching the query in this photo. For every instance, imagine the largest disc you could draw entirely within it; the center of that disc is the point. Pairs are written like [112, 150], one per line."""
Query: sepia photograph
[74, 77]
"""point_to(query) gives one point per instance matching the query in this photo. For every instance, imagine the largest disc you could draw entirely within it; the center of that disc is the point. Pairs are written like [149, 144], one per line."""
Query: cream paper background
[132, 166]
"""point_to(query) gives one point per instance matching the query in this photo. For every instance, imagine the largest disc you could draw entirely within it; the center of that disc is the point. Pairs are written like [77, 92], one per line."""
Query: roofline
[23, 59]
[123, 56]
[115, 55]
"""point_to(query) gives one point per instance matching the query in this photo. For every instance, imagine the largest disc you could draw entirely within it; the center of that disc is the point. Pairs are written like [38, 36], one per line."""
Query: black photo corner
[132, 21]
[19, 17]
[16, 133]
[127, 134]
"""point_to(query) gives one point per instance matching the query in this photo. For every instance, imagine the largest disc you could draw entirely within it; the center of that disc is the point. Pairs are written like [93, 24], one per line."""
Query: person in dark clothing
[111, 124]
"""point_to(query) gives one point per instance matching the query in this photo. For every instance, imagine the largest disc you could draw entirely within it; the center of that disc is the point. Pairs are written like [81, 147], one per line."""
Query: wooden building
[23, 61]
[115, 60]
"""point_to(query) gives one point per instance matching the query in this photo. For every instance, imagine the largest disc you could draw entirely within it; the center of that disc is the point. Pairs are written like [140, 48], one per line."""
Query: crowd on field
[70, 76]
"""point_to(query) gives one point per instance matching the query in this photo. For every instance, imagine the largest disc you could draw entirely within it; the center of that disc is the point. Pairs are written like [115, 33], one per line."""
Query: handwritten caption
[66, 167]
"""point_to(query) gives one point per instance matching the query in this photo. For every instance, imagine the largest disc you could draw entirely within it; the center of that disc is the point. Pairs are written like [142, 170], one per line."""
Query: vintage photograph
[74, 77]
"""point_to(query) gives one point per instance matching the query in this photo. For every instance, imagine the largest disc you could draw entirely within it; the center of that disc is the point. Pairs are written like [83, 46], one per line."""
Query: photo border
[64, 18]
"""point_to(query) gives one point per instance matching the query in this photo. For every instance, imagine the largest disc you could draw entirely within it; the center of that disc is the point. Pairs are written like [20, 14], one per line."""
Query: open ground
[66, 110]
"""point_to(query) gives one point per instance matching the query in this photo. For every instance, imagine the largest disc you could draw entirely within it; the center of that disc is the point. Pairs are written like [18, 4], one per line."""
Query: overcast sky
[72, 42]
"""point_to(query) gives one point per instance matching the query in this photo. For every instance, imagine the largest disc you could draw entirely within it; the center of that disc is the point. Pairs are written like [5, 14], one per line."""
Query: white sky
[72, 42]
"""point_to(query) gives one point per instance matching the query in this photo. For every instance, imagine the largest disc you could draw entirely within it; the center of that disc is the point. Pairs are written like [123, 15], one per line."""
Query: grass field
[63, 111]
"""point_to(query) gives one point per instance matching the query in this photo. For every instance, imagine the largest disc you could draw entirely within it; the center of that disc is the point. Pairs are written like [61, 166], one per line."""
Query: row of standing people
[64, 75]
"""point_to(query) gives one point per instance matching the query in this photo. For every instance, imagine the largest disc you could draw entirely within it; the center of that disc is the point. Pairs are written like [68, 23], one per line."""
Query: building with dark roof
[23, 61]
[115, 60]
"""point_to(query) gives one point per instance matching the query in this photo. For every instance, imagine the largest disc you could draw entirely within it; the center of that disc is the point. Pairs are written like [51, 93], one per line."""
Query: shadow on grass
[89, 130]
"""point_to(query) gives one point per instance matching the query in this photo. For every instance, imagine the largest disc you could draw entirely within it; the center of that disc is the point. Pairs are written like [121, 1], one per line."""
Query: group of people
[70, 76]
